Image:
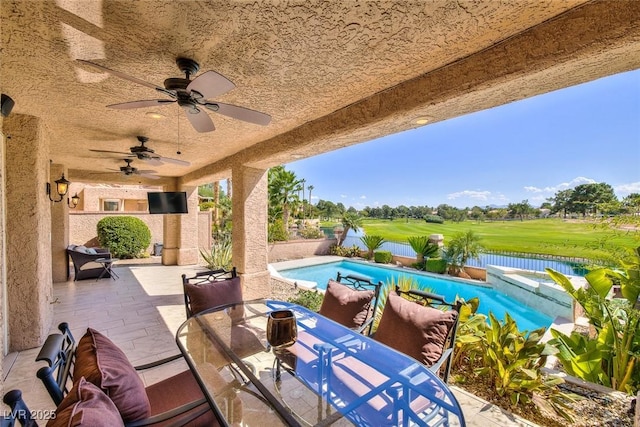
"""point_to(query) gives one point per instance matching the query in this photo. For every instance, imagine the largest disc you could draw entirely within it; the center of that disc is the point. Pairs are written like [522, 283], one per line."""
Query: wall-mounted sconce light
[73, 201]
[62, 186]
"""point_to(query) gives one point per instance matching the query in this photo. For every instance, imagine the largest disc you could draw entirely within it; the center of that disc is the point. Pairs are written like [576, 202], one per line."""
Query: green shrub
[206, 206]
[353, 251]
[124, 236]
[434, 219]
[311, 233]
[277, 231]
[382, 257]
[310, 299]
[436, 265]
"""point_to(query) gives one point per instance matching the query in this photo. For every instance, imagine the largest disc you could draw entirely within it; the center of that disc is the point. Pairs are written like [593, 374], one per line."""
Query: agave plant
[372, 243]
[219, 256]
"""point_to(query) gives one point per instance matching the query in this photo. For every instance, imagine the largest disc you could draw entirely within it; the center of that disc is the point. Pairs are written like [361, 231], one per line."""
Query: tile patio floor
[141, 312]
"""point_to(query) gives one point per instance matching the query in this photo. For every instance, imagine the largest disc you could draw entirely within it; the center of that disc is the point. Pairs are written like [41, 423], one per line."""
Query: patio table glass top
[331, 375]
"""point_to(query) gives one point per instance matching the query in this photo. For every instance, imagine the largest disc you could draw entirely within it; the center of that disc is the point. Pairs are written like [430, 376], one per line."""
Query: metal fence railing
[536, 262]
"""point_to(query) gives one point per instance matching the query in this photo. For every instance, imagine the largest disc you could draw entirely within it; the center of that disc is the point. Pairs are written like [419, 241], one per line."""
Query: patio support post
[28, 227]
[180, 232]
[249, 200]
[59, 229]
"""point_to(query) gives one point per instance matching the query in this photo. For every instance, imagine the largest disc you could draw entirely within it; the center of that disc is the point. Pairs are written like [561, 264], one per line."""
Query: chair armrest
[447, 354]
[179, 416]
[158, 362]
[102, 251]
[19, 410]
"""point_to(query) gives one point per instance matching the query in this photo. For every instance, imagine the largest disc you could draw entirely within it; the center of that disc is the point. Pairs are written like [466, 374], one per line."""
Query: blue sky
[528, 149]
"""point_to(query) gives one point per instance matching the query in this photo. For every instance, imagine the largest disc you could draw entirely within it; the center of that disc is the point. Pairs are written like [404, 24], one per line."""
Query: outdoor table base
[107, 265]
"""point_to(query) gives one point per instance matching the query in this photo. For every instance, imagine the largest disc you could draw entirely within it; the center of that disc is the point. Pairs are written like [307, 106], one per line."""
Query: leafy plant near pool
[372, 242]
[423, 248]
[611, 357]
[310, 299]
[508, 360]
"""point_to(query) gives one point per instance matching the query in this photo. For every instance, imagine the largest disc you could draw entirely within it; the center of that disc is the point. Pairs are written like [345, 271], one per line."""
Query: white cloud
[476, 195]
[623, 190]
[343, 196]
[363, 197]
[562, 186]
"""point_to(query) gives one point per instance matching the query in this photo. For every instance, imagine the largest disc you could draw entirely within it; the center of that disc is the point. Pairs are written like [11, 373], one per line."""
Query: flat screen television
[167, 202]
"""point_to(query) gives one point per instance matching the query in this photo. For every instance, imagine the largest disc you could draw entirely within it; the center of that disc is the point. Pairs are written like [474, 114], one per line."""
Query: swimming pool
[490, 300]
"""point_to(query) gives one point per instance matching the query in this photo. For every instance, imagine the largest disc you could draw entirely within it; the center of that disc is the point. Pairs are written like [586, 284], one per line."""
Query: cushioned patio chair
[84, 265]
[351, 300]
[82, 376]
[415, 327]
[19, 411]
[211, 288]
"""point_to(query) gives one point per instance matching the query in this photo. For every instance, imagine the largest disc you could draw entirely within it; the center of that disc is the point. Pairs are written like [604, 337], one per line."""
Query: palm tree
[350, 221]
[372, 243]
[283, 186]
[311, 187]
[216, 201]
[423, 248]
[461, 248]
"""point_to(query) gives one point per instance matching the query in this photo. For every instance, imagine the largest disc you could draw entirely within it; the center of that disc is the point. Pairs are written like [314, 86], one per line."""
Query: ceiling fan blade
[148, 171]
[175, 161]
[122, 75]
[112, 152]
[156, 161]
[140, 104]
[240, 113]
[146, 175]
[210, 85]
[201, 121]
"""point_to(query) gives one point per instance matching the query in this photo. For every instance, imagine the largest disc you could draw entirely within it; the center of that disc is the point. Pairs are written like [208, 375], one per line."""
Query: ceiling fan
[129, 170]
[191, 95]
[142, 152]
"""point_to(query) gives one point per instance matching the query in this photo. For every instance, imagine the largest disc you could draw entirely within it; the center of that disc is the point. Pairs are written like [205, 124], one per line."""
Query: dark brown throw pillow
[209, 295]
[346, 306]
[102, 363]
[413, 329]
[86, 405]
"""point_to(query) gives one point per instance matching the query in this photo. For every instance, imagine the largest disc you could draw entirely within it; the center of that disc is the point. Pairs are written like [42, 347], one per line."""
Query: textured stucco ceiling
[330, 73]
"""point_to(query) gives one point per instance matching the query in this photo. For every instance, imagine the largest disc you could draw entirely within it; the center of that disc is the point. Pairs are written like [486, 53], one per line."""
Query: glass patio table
[331, 375]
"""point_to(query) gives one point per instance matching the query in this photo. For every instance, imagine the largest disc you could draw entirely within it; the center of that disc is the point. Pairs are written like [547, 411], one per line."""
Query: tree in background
[585, 198]
[349, 222]
[561, 201]
[520, 210]
[283, 189]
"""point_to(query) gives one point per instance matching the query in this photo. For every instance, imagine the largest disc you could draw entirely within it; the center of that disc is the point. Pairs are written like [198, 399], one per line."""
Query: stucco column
[250, 230]
[28, 225]
[59, 227]
[180, 234]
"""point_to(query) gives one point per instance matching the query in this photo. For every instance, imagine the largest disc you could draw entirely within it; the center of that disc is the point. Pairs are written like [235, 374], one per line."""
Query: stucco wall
[294, 249]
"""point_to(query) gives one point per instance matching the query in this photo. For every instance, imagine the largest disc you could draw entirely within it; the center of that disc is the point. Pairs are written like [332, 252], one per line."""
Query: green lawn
[541, 236]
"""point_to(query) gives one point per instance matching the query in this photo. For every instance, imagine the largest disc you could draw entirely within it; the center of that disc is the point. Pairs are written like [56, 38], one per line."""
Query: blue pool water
[490, 301]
